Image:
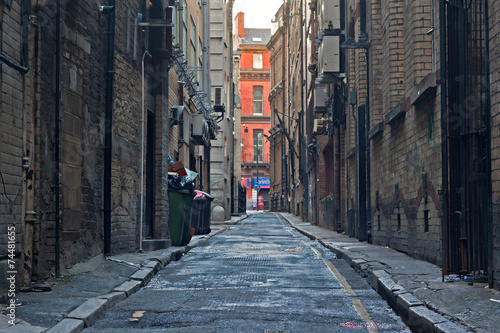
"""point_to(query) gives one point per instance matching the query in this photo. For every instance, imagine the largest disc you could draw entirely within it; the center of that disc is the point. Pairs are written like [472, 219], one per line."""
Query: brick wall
[125, 171]
[15, 141]
[405, 156]
[494, 12]
[392, 53]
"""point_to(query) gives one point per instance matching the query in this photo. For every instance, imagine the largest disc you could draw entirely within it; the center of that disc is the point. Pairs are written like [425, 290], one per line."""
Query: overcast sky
[258, 13]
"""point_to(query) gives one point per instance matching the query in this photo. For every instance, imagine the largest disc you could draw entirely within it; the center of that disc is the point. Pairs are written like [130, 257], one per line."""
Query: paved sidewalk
[85, 292]
[413, 288]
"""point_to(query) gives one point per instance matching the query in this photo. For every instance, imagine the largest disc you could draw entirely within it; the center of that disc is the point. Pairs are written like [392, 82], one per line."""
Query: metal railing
[249, 159]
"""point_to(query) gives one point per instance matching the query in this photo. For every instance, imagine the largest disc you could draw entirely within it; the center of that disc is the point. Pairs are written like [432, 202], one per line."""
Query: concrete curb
[90, 311]
[95, 308]
[68, 325]
[406, 305]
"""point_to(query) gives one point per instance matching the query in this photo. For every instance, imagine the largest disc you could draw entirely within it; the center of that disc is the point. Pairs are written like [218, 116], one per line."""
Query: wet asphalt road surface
[259, 276]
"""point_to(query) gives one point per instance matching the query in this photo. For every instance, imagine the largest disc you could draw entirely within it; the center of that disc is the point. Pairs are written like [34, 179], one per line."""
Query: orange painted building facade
[255, 85]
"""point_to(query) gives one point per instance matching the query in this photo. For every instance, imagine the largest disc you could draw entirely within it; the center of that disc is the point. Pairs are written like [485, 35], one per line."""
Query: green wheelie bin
[180, 202]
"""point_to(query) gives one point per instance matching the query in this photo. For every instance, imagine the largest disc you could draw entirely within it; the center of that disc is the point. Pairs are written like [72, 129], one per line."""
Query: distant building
[254, 84]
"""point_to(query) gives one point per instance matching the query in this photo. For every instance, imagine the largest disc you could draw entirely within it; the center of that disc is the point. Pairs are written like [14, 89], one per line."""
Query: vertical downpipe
[206, 50]
[444, 135]
[488, 117]
[301, 113]
[108, 126]
[57, 156]
[362, 228]
[283, 96]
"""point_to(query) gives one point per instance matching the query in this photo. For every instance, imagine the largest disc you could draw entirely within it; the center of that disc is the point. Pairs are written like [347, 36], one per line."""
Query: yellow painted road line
[358, 305]
[370, 324]
[279, 218]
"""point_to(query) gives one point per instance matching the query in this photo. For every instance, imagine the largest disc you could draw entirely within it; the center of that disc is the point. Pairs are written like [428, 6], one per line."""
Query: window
[192, 39]
[218, 96]
[257, 60]
[258, 145]
[175, 23]
[258, 98]
[185, 34]
[199, 74]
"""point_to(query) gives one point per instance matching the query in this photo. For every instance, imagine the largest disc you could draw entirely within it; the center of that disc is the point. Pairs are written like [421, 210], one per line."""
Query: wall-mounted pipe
[444, 135]
[108, 126]
[57, 156]
[143, 101]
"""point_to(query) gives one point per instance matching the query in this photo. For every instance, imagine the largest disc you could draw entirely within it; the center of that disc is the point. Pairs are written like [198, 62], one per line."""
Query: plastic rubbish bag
[181, 183]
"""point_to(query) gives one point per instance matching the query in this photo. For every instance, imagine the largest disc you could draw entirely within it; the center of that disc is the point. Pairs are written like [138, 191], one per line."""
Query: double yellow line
[358, 305]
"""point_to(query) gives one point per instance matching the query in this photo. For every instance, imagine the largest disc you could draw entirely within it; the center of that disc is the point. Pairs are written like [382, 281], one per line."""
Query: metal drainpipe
[234, 192]
[57, 156]
[368, 154]
[283, 96]
[339, 178]
[444, 135]
[356, 170]
[487, 67]
[108, 127]
[206, 50]
[301, 114]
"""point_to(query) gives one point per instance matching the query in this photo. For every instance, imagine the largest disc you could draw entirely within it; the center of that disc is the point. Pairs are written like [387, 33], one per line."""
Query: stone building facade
[224, 170]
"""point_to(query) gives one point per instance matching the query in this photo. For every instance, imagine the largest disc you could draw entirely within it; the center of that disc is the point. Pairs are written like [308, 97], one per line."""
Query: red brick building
[255, 85]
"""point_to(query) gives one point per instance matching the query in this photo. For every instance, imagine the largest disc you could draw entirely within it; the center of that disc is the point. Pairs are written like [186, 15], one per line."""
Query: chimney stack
[240, 24]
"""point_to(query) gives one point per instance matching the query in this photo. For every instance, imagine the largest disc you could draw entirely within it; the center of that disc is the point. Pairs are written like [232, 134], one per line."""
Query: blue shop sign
[263, 182]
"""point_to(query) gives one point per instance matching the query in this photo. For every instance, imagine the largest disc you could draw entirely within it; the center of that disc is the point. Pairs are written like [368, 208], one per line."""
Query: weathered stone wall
[81, 132]
[83, 80]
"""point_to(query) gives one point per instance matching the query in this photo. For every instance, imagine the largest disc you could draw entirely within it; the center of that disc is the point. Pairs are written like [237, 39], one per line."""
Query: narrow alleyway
[259, 276]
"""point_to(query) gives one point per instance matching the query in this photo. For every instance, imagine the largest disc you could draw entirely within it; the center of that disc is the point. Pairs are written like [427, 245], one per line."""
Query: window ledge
[376, 130]
[395, 113]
